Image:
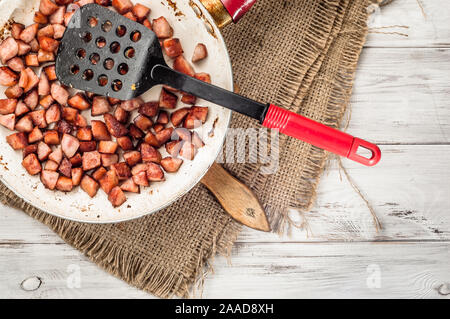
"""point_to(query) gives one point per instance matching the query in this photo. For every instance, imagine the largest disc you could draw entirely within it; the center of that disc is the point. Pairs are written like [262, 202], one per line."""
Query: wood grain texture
[401, 100]
[236, 198]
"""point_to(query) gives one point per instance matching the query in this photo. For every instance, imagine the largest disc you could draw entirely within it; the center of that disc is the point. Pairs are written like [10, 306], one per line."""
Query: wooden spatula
[236, 198]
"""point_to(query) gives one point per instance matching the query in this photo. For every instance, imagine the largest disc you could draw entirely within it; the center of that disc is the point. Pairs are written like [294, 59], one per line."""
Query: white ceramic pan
[192, 24]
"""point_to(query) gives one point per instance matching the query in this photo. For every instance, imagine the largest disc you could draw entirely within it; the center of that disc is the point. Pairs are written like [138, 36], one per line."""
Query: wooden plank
[408, 190]
[401, 96]
[429, 30]
[350, 270]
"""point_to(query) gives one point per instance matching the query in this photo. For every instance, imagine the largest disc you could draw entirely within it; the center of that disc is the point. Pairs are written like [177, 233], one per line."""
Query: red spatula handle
[320, 135]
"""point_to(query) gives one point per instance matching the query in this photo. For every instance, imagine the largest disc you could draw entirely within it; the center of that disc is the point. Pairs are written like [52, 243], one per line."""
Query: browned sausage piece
[35, 135]
[141, 178]
[16, 64]
[149, 109]
[200, 53]
[129, 186]
[125, 143]
[182, 65]
[100, 106]
[99, 173]
[56, 155]
[8, 121]
[150, 154]
[59, 93]
[8, 77]
[117, 197]
[7, 106]
[155, 173]
[21, 109]
[122, 6]
[29, 33]
[77, 174]
[31, 164]
[132, 157]
[17, 141]
[47, 7]
[132, 104]
[14, 92]
[84, 134]
[49, 178]
[109, 159]
[99, 131]
[162, 28]
[53, 114]
[58, 16]
[115, 128]
[8, 49]
[178, 116]
[167, 100]
[88, 146]
[38, 118]
[140, 11]
[51, 166]
[51, 137]
[44, 85]
[16, 30]
[69, 145]
[122, 170]
[172, 47]
[25, 124]
[188, 151]
[143, 122]
[171, 165]
[89, 185]
[24, 48]
[91, 160]
[107, 147]
[59, 30]
[109, 181]
[64, 184]
[65, 167]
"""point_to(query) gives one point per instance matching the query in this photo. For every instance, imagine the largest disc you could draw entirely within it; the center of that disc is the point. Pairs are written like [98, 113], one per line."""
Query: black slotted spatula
[105, 53]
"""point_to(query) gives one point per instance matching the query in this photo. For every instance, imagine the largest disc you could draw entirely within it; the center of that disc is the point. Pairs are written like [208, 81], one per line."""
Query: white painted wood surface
[402, 101]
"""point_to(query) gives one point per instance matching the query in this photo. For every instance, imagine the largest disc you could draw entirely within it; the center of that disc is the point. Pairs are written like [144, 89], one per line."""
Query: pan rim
[180, 194]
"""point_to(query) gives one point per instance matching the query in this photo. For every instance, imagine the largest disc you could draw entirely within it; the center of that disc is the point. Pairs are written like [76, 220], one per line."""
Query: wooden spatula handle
[236, 198]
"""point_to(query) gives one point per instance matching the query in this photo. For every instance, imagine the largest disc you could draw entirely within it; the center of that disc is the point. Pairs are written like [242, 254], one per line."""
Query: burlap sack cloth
[299, 54]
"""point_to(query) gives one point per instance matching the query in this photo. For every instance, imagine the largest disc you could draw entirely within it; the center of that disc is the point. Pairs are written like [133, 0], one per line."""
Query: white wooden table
[401, 101]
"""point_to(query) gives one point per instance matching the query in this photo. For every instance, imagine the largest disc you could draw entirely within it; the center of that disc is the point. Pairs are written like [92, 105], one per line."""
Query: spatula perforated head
[107, 54]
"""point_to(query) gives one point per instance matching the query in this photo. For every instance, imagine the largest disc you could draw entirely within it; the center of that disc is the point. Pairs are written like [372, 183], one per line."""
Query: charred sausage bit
[163, 118]
[76, 160]
[69, 114]
[89, 185]
[164, 135]
[132, 104]
[58, 31]
[77, 174]
[140, 11]
[200, 53]
[44, 85]
[21, 109]
[65, 167]
[158, 128]
[135, 132]
[151, 139]
[88, 146]
[56, 155]
[150, 154]
[29, 33]
[100, 106]
[7, 106]
[8, 49]
[188, 151]
[31, 164]
[64, 127]
[171, 165]
[91, 160]
[32, 59]
[132, 158]
[162, 28]
[172, 47]
[31, 99]
[51, 166]
[141, 178]
[64, 184]
[25, 124]
[33, 80]
[117, 197]
[125, 143]
[69, 145]
[32, 148]
[51, 137]
[99, 173]
[100, 131]
[155, 173]
[79, 102]
[109, 181]
[129, 186]
[122, 6]
[47, 7]
[107, 147]
[16, 64]
[122, 170]
[182, 65]
[121, 115]
[14, 92]
[58, 16]
[8, 121]
[178, 116]
[16, 30]
[46, 101]
[46, 31]
[45, 56]
[49, 178]
[53, 114]
[35, 135]
[143, 122]
[40, 18]
[109, 159]
[167, 100]
[149, 109]
[115, 128]
[113, 101]
[38, 118]
[7, 76]
[188, 99]
[50, 72]
[84, 134]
